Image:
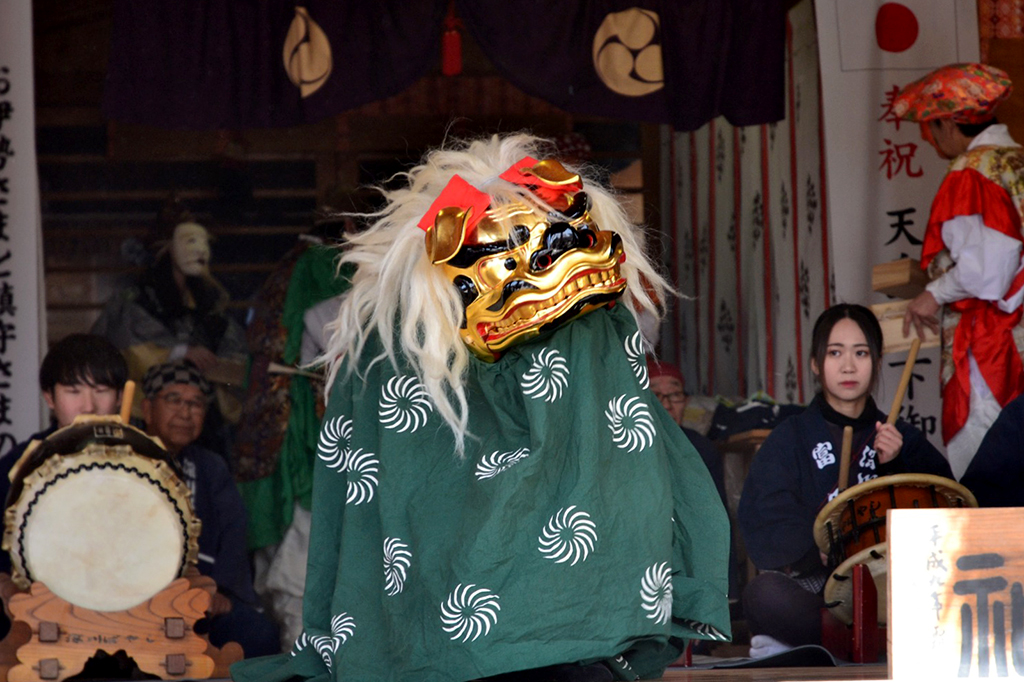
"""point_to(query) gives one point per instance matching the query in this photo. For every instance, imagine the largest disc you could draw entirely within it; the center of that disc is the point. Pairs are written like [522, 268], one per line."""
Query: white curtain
[745, 231]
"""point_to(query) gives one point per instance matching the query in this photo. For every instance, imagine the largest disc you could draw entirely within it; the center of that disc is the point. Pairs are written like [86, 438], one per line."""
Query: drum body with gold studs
[855, 519]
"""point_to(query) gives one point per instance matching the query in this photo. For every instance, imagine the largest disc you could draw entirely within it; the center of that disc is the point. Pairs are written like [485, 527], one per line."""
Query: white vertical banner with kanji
[21, 306]
[881, 175]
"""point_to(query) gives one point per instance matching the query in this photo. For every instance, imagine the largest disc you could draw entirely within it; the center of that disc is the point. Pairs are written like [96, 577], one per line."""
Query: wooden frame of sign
[51, 639]
[956, 605]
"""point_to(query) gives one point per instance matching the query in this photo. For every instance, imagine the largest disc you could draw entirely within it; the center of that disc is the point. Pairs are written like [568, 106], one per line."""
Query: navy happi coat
[796, 472]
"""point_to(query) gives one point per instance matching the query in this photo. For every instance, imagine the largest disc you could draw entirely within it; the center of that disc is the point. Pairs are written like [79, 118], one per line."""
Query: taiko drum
[855, 519]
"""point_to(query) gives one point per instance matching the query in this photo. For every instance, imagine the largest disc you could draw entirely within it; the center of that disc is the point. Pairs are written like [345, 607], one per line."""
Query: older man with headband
[972, 249]
[177, 396]
[669, 387]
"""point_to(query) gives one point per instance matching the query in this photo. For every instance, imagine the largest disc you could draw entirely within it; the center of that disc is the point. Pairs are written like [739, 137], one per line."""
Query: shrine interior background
[737, 216]
[744, 215]
[102, 184]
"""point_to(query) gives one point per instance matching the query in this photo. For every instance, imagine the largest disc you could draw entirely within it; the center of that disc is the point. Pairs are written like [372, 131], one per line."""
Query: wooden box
[890, 317]
[900, 278]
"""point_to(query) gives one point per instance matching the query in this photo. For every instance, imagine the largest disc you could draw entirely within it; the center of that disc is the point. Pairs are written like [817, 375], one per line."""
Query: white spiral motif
[404, 404]
[634, 346]
[547, 377]
[469, 612]
[342, 627]
[656, 592]
[630, 422]
[397, 558]
[569, 534]
[362, 476]
[335, 441]
[709, 631]
[625, 668]
[301, 642]
[326, 647]
[491, 465]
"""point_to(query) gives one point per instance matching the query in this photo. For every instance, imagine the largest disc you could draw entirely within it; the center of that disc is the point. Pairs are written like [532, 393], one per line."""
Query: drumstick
[275, 368]
[844, 458]
[908, 368]
[127, 396]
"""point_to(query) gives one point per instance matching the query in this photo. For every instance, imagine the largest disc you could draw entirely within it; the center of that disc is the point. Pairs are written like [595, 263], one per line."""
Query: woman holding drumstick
[797, 470]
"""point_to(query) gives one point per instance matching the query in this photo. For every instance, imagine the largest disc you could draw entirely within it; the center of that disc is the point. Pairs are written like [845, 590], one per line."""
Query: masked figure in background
[497, 489]
[972, 249]
[177, 310]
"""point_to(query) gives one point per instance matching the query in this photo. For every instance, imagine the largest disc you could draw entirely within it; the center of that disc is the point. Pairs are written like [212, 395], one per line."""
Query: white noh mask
[190, 249]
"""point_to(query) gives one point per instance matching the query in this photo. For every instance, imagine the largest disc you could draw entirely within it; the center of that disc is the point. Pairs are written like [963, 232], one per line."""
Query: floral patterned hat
[966, 93]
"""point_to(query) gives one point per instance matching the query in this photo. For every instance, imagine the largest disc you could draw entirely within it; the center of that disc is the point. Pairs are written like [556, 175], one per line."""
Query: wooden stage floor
[850, 672]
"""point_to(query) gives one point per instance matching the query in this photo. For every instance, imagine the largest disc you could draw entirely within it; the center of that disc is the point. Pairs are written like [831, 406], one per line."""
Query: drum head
[950, 493]
[104, 528]
[839, 588]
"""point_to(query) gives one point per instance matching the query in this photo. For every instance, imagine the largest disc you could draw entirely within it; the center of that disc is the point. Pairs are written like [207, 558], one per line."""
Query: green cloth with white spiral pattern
[580, 526]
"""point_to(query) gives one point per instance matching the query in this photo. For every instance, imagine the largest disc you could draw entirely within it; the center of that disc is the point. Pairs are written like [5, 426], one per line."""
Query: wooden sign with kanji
[956, 605]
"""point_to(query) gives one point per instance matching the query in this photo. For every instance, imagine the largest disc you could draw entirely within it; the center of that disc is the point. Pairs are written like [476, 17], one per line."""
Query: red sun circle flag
[896, 27]
[909, 34]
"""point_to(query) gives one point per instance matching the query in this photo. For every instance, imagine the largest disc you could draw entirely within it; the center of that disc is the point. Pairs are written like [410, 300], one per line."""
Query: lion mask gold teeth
[522, 270]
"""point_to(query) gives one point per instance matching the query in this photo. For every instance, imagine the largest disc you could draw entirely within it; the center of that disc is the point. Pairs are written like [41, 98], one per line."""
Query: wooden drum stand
[51, 639]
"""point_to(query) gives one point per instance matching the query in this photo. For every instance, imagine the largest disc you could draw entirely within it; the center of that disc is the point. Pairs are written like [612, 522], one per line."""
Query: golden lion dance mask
[521, 269]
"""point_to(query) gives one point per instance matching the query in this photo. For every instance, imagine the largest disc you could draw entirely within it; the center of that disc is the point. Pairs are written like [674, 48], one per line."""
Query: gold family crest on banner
[307, 53]
[627, 52]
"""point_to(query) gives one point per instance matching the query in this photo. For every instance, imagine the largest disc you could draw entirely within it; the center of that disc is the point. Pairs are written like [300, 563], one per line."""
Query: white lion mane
[396, 287]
